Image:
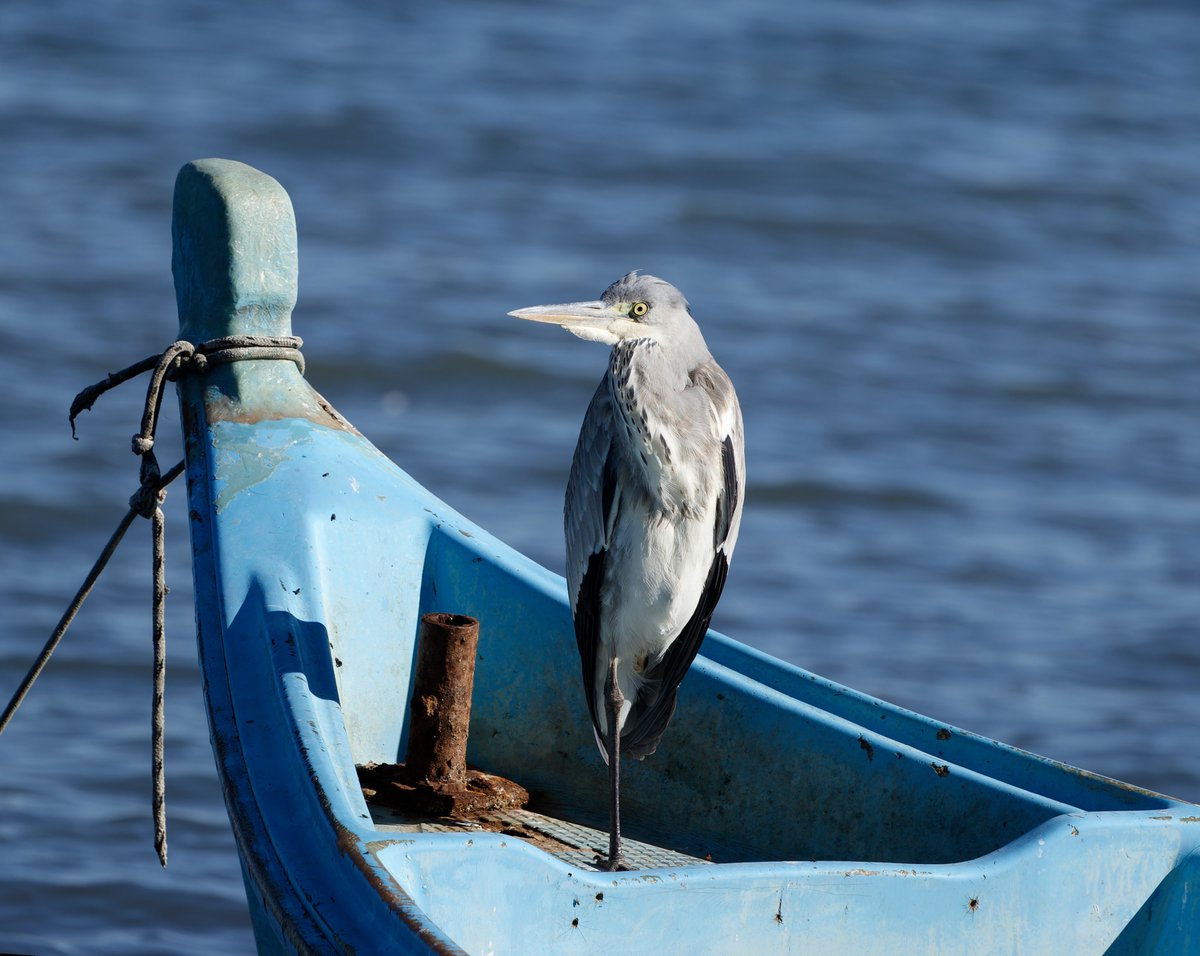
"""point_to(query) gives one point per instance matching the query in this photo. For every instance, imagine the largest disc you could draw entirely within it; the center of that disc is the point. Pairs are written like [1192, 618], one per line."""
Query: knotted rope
[179, 358]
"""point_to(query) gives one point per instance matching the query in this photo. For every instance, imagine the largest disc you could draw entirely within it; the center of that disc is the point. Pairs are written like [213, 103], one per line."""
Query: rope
[158, 776]
[178, 358]
[215, 351]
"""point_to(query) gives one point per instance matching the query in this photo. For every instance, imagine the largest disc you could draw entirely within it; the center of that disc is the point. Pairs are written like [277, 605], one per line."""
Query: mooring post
[434, 778]
[441, 700]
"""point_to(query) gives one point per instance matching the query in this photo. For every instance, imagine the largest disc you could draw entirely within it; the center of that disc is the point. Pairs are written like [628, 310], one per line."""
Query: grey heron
[652, 511]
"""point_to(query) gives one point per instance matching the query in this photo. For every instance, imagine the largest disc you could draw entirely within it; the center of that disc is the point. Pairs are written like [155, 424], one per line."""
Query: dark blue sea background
[949, 254]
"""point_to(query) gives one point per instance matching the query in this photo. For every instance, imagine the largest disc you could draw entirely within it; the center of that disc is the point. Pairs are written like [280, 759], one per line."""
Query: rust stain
[941, 769]
[219, 407]
[392, 786]
[866, 745]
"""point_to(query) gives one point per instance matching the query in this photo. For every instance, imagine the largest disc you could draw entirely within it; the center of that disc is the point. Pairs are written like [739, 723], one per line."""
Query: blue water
[949, 255]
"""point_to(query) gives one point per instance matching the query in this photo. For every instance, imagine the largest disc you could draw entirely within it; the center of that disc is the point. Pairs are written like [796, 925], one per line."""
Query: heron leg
[613, 701]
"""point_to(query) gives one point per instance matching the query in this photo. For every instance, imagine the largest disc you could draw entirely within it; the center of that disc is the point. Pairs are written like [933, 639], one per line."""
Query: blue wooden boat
[784, 813]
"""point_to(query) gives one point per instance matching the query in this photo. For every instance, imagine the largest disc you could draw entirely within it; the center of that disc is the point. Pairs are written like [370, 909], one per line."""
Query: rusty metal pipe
[440, 709]
[434, 778]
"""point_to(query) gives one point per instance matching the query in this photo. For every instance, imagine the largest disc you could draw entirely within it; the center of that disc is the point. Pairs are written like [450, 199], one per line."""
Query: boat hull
[806, 817]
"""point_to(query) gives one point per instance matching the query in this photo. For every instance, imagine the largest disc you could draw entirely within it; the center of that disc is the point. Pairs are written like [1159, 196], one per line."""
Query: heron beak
[568, 314]
[588, 320]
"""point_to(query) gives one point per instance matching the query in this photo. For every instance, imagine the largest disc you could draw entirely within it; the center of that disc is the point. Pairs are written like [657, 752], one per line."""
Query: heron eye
[638, 309]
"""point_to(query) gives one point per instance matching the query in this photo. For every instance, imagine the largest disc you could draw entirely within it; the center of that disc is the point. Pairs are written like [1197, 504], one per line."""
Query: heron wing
[711, 379]
[592, 499]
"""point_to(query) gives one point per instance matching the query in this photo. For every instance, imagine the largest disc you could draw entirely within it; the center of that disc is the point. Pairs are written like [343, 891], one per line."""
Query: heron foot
[613, 866]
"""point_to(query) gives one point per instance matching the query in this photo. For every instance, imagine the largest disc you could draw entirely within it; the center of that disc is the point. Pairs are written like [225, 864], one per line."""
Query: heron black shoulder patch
[587, 626]
[727, 500]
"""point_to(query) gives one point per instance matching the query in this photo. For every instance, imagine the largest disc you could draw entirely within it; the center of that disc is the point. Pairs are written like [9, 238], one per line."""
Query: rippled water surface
[949, 256]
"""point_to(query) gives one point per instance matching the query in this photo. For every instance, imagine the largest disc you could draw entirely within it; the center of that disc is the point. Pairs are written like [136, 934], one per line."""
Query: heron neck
[664, 368]
[657, 410]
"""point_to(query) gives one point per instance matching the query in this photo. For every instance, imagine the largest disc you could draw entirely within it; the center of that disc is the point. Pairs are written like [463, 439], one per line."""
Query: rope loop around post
[178, 358]
[183, 357]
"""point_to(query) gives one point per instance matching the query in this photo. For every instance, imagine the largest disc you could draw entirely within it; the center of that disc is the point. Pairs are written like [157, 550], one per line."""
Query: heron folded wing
[588, 597]
[587, 628]
[726, 417]
[589, 500]
[727, 500]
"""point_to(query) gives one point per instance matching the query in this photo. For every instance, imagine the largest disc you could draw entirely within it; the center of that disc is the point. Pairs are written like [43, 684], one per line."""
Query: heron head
[636, 306]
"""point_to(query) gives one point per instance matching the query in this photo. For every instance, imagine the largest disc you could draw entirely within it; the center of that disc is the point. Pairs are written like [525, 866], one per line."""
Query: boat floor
[573, 843]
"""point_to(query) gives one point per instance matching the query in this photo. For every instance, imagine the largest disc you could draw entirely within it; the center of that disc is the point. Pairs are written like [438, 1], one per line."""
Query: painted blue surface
[841, 823]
